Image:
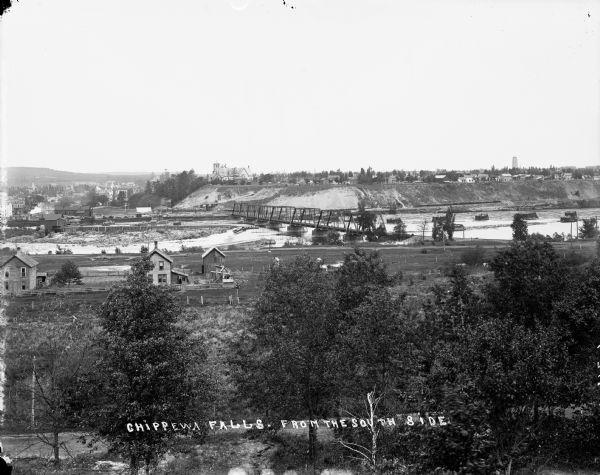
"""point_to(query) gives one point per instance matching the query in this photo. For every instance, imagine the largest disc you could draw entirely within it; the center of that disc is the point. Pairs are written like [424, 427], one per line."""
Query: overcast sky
[144, 85]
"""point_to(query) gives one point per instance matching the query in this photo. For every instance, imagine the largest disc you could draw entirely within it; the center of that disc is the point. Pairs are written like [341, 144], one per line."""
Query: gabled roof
[211, 250]
[162, 254]
[24, 258]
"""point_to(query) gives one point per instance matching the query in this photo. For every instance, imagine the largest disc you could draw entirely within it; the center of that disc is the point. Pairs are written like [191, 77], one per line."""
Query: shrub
[473, 257]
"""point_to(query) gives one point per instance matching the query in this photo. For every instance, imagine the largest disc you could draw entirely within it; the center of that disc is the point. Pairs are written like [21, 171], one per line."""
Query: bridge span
[343, 220]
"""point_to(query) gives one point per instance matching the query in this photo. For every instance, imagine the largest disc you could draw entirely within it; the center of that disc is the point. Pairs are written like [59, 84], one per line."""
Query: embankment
[576, 193]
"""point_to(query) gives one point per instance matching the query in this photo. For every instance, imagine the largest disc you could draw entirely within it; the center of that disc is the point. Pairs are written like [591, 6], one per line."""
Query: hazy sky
[113, 85]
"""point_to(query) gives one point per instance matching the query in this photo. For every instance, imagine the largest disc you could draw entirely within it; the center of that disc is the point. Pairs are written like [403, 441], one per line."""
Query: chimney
[155, 244]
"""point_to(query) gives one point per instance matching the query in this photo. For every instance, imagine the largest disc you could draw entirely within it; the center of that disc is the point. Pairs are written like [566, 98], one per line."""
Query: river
[497, 227]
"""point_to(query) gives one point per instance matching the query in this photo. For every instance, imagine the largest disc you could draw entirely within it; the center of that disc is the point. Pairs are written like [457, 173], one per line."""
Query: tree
[361, 273]
[374, 350]
[448, 226]
[365, 219]
[68, 274]
[400, 230]
[45, 356]
[422, 227]
[283, 360]
[589, 228]
[519, 227]
[443, 226]
[528, 279]
[150, 369]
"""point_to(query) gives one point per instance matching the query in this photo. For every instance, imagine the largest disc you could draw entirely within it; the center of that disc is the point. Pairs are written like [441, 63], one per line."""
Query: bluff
[575, 193]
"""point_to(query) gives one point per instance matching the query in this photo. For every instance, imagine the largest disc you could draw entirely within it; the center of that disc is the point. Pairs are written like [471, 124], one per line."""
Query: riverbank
[501, 195]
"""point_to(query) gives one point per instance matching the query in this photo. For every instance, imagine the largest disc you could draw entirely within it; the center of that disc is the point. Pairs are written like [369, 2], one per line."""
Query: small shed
[211, 258]
[178, 276]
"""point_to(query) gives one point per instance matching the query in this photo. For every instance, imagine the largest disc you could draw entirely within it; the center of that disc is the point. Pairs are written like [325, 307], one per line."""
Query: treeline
[175, 188]
[510, 363]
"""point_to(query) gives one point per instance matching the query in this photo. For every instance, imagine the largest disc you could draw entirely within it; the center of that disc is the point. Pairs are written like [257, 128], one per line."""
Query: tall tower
[515, 163]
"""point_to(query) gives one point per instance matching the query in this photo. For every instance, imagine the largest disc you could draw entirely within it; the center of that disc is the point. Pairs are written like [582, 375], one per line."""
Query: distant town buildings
[224, 173]
[6, 209]
[515, 163]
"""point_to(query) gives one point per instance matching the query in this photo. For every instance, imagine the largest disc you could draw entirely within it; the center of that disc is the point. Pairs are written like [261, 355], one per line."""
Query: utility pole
[33, 394]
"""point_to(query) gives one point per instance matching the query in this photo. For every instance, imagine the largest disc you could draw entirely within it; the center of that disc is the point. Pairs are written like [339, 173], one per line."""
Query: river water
[497, 227]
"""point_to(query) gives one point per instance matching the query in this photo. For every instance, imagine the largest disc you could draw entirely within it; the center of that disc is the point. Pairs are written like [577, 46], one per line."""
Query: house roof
[24, 258]
[179, 272]
[51, 216]
[211, 250]
[163, 254]
[143, 210]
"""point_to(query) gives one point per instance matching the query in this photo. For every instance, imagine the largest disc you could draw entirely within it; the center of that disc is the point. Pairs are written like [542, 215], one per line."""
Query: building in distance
[224, 173]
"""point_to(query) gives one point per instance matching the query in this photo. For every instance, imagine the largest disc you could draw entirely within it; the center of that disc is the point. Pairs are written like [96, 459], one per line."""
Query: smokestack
[155, 244]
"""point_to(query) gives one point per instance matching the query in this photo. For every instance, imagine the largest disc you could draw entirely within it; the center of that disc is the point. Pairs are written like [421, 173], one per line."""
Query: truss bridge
[344, 220]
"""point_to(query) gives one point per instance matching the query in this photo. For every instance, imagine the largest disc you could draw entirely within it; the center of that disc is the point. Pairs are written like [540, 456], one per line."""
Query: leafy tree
[448, 226]
[365, 219]
[589, 228]
[94, 199]
[68, 274]
[334, 238]
[519, 227]
[443, 226]
[150, 369]
[283, 361]
[528, 279]
[45, 356]
[400, 230]
[361, 273]
[374, 350]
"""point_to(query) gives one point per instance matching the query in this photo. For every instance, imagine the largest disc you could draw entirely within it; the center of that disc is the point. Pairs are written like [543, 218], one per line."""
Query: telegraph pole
[33, 394]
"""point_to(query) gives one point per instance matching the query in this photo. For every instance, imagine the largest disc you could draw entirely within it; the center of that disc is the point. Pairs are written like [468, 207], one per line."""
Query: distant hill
[19, 176]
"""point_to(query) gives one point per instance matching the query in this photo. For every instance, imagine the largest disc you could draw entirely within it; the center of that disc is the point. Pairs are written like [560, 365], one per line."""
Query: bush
[574, 259]
[473, 257]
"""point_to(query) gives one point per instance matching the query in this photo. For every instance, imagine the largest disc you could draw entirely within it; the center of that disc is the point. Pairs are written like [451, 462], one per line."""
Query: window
[162, 278]
[7, 274]
[5, 285]
[161, 265]
[23, 271]
[23, 286]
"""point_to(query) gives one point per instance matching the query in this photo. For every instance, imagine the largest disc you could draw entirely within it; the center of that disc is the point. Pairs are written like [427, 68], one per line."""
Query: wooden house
[164, 272]
[211, 258]
[18, 273]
